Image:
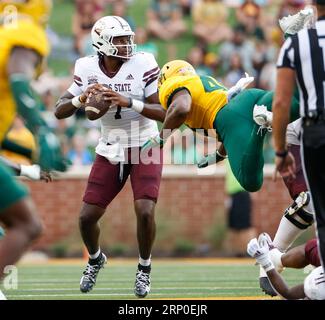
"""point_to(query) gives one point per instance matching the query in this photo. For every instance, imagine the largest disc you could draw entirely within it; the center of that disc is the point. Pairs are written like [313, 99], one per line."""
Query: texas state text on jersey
[208, 97]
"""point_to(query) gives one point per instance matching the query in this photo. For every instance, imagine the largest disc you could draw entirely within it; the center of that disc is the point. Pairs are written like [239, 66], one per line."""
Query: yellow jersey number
[210, 84]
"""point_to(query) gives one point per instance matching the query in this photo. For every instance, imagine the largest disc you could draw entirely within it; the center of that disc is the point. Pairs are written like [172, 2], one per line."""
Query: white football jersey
[293, 132]
[314, 284]
[137, 79]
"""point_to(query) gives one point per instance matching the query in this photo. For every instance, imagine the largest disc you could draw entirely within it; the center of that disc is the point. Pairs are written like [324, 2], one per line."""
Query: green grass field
[171, 279]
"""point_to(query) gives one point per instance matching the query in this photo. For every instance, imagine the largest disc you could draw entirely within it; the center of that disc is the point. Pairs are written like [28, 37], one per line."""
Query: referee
[301, 60]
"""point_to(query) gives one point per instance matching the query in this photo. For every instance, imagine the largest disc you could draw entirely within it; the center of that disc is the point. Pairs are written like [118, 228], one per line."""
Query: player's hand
[286, 166]
[34, 172]
[116, 99]
[259, 249]
[242, 83]
[209, 159]
[240, 86]
[153, 142]
[92, 89]
[50, 155]
[46, 176]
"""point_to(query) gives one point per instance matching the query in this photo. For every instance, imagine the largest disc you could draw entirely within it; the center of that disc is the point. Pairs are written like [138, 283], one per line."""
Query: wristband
[282, 154]
[76, 102]
[32, 172]
[221, 156]
[268, 267]
[137, 105]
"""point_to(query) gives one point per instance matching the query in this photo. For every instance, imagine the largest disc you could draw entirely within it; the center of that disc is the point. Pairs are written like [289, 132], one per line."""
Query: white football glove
[32, 172]
[211, 158]
[260, 251]
[239, 86]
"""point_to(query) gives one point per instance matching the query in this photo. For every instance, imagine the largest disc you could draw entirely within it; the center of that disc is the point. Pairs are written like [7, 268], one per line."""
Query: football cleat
[88, 280]
[275, 256]
[293, 24]
[266, 286]
[263, 117]
[142, 284]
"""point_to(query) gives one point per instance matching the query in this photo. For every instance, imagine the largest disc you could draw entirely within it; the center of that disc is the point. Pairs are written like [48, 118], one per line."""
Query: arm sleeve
[28, 106]
[76, 87]
[150, 76]
[286, 55]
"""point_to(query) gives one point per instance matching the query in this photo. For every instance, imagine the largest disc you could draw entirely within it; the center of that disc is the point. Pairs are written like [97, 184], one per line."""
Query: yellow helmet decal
[175, 68]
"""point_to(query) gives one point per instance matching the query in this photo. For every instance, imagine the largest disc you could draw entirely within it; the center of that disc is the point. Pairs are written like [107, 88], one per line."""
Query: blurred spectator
[23, 137]
[66, 128]
[290, 7]
[211, 60]
[49, 88]
[141, 39]
[79, 155]
[87, 12]
[186, 6]
[248, 14]
[235, 72]
[238, 44]
[267, 77]
[264, 53]
[165, 20]
[196, 58]
[248, 9]
[210, 21]
[239, 216]
[120, 8]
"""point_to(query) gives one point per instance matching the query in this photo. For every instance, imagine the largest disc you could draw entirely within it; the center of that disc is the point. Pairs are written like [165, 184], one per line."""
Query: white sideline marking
[96, 295]
[119, 289]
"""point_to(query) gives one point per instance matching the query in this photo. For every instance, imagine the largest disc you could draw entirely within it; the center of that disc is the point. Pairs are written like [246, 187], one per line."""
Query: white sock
[95, 255]
[286, 234]
[2, 296]
[144, 262]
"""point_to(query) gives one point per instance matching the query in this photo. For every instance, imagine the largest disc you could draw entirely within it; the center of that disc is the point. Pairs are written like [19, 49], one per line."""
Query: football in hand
[96, 106]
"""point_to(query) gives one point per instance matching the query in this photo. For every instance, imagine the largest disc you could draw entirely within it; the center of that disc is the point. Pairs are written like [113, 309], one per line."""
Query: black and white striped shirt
[305, 52]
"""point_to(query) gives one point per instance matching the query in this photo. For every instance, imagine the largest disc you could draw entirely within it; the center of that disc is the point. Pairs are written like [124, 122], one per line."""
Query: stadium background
[191, 213]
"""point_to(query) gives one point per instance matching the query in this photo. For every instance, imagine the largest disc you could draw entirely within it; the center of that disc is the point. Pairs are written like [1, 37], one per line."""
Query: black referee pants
[313, 154]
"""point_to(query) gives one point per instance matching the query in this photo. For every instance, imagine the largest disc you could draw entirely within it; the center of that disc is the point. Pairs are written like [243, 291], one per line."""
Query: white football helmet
[105, 30]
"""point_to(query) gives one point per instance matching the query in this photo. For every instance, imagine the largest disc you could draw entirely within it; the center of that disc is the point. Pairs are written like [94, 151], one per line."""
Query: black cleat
[88, 280]
[266, 287]
[142, 282]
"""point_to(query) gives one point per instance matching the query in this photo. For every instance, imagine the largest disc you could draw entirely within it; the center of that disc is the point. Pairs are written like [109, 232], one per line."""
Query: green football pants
[11, 191]
[242, 138]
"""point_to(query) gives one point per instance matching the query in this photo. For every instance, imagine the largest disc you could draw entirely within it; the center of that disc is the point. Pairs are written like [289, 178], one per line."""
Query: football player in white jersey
[133, 77]
[299, 215]
[313, 287]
